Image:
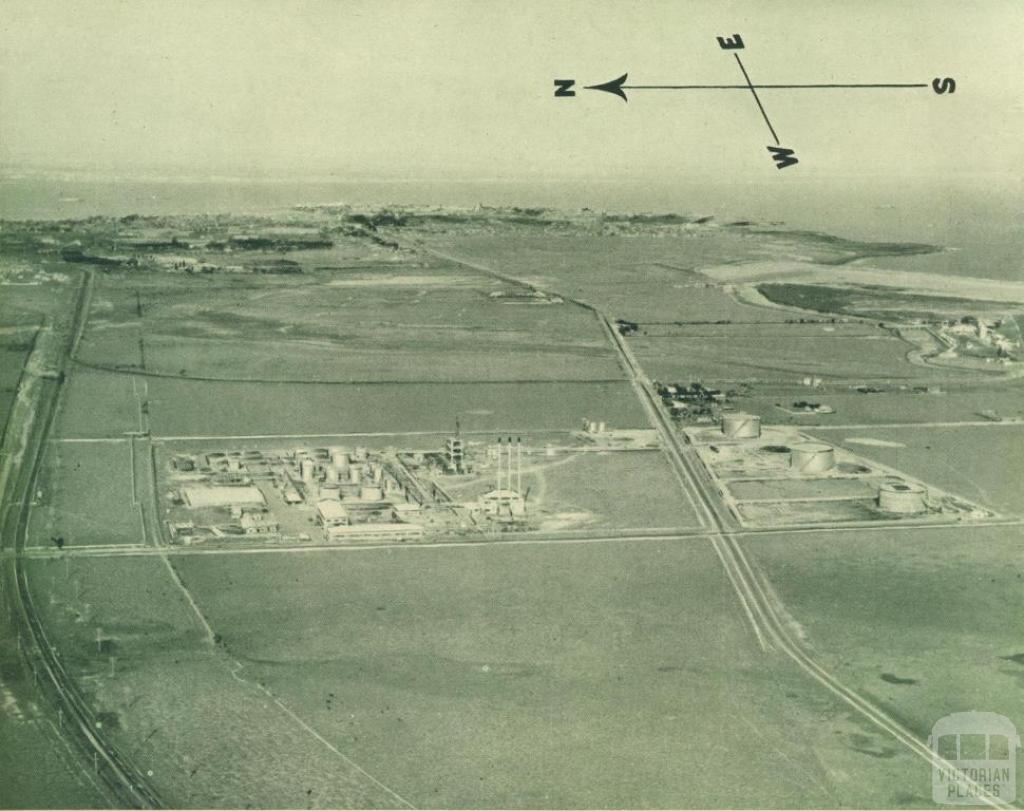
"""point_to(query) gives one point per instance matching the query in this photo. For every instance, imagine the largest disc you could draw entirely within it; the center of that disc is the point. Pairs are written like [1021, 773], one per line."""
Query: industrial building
[199, 497]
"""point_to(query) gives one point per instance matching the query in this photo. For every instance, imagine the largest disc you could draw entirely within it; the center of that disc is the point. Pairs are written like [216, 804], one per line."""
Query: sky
[407, 90]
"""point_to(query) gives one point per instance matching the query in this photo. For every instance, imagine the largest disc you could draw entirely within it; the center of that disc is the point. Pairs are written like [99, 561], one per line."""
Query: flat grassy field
[970, 461]
[637, 278]
[407, 324]
[98, 404]
[188, 407]
[178, 706]
[621, 490]
[87, 496]
[563, 675]
[925, 622]
[888, 407]
[769, 356]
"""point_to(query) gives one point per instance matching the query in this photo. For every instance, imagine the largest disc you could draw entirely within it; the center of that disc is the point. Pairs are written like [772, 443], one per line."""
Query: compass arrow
[618, 87]
[614, 87]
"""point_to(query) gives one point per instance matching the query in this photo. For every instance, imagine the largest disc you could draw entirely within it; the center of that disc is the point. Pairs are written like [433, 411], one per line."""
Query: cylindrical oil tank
[741, 426]
[812, 457]
[332, 474]
[371, 492]
[602, 427]
[355, 474]
[902, 497]
[339, 457]
[307, 469]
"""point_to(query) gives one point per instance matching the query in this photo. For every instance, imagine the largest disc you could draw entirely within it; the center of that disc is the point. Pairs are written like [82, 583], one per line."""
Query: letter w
[783, 157]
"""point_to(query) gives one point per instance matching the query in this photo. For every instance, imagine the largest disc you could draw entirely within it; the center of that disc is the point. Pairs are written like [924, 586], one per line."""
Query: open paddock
[766, 357]
[972, 460]
[565, 676]
[99, 404]
[921, 621]
[87, 496]
[176, 703]
[197, 408]
[332, 332]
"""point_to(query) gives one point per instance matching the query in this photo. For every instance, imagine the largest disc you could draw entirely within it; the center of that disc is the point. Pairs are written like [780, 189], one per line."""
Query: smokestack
[498, 485]
[509, 485]
[519, 464]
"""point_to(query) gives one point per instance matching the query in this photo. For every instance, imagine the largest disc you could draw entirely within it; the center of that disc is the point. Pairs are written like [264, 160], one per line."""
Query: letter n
[563, 87]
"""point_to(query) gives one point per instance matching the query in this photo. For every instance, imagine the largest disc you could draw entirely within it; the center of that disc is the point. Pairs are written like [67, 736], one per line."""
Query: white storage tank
[332, 474]
[307, 469]
[741, 426]
[812, 457]
[355, 474]
[339, 457]
[903, 498]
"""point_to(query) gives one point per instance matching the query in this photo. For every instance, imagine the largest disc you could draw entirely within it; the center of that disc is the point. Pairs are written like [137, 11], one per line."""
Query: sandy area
[933, 284]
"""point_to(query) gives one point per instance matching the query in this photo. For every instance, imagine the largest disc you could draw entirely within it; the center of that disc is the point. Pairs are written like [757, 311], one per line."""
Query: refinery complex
[345, 495]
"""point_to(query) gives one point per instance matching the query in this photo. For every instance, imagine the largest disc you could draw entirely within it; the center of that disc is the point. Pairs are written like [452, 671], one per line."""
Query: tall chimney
[498, 485]
[519, 464]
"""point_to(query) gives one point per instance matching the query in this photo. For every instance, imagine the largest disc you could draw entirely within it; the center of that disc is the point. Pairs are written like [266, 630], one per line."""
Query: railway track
[126, 785]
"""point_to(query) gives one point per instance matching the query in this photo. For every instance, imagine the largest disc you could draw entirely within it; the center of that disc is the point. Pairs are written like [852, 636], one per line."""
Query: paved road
[771, 631]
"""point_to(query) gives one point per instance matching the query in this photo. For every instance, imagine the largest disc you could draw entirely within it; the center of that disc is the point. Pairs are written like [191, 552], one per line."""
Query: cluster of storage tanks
[352, 476]
[812, 458]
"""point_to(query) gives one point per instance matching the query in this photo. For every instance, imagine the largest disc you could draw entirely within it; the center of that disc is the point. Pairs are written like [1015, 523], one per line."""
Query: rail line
[127, 786]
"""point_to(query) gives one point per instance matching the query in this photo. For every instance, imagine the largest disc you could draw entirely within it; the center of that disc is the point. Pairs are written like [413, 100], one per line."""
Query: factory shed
[199, 497]
[331, 513]
[389, 531]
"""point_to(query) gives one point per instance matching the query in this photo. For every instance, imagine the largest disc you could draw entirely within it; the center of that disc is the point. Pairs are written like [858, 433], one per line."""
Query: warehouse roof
[201, 496]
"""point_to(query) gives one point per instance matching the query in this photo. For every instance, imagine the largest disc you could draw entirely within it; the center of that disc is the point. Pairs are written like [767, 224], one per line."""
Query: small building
[258, 522]
[331, 513]
[183, 463]
[291, 496]
[503, 503]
